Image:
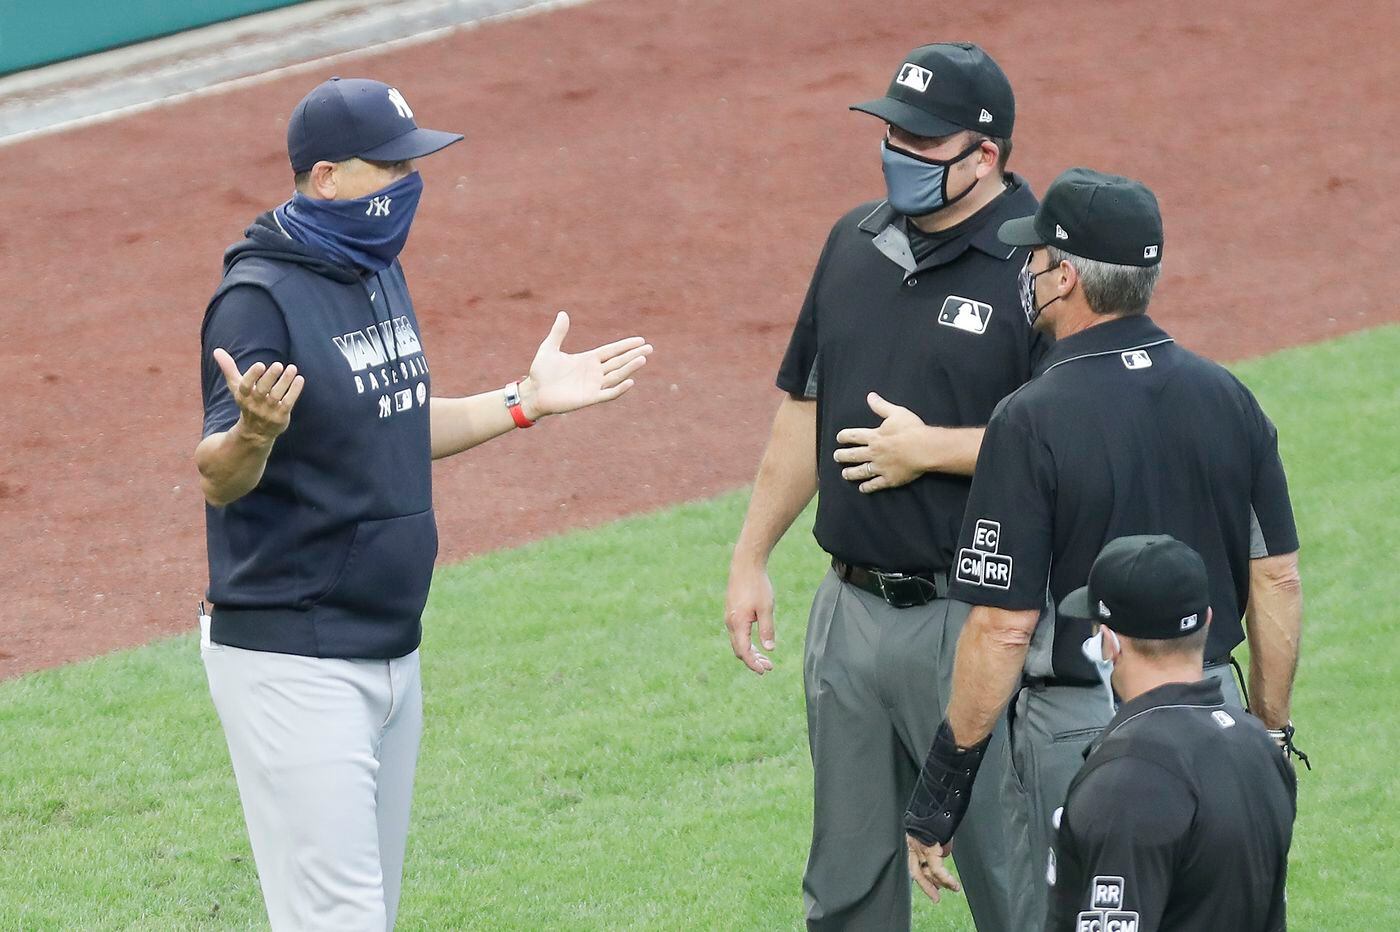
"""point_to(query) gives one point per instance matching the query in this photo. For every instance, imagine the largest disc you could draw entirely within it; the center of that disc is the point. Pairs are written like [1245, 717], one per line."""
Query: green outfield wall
[37, 32]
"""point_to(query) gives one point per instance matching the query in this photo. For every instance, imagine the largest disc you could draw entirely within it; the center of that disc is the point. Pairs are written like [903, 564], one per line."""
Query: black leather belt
[900, 590]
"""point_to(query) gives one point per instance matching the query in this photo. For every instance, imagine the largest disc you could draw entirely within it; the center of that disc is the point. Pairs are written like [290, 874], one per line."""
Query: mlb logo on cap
[911, 75]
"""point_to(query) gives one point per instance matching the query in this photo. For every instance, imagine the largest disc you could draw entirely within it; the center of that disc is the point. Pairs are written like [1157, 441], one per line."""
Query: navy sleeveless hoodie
[331, 555]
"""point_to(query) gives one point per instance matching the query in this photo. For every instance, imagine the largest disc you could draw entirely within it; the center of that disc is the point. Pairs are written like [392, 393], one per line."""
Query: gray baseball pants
[324, 753]
[877, 682]
[1051, 728]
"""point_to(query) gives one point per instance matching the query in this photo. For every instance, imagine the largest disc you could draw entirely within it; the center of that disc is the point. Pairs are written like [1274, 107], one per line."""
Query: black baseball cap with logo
[1149, 586]
[358, 118]
[944, 88]
[1089, 214]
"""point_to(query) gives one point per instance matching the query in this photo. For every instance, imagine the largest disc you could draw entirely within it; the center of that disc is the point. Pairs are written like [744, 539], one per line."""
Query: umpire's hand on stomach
[903, 448]
[231, 462]
[887, 456]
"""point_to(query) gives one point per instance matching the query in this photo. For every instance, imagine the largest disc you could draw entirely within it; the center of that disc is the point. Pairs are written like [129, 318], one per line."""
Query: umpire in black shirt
[1182, 815]
[1122, 432]
[914, 300]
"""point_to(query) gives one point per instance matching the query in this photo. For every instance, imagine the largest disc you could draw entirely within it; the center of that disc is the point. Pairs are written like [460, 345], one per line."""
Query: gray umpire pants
[877, 682]
[324, 753]
[1051, 728]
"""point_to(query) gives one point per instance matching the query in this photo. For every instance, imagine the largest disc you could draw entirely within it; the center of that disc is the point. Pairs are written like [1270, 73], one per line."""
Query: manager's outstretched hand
[231, 462]
[265, 394]
[561, 381]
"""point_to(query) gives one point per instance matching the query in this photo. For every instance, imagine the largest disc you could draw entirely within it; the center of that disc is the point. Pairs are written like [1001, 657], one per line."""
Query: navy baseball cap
[1149, 586]
[1089, 214]
[358, 118]
[945, 88]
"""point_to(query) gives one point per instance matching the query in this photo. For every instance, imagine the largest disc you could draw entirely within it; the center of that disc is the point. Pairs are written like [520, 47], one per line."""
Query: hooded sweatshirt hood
[265, 239]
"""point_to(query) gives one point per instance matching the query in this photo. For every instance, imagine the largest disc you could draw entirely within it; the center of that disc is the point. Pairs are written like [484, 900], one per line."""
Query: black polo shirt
[944, 337]
[1123, 432]
[1180, 819]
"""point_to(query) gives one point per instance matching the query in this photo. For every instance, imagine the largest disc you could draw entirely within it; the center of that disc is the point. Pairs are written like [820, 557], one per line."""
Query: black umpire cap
[1149, 586]
[1092, 215]
[944, 88]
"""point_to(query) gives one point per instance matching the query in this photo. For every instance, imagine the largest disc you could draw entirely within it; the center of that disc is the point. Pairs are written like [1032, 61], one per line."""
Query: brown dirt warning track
[665, 169]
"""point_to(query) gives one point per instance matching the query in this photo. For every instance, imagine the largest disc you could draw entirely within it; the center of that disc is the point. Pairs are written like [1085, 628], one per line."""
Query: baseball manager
[319, 435]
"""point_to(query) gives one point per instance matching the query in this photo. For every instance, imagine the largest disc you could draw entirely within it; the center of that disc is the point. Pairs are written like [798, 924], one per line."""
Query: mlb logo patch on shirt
[1137, 359]
[965, 314]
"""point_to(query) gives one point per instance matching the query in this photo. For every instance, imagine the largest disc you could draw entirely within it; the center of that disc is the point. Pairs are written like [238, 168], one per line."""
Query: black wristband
[944, 788]
[1284, 737]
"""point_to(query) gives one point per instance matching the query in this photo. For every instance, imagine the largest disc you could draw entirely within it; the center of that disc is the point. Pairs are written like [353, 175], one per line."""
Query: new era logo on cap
[1103, 610]
[1060, 232]
[984, 116]
[911, 75]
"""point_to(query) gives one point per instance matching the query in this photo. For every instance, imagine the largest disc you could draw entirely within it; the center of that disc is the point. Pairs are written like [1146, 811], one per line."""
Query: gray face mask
[1025, 282]
[918, 186]
[1093, 651]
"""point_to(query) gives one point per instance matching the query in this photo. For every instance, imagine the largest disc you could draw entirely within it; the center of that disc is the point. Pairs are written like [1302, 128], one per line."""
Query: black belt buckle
[904, 591]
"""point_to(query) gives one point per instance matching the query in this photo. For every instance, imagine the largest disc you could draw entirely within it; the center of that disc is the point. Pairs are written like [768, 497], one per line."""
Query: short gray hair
[1109, 288]
[1155, 649]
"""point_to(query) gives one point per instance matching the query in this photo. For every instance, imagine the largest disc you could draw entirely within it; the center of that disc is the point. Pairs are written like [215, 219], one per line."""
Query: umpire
[1123, 432]
[914, 300]
[1182, 815]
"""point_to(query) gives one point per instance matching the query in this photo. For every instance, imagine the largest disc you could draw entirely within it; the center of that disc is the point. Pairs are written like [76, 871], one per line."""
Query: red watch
[517, 413]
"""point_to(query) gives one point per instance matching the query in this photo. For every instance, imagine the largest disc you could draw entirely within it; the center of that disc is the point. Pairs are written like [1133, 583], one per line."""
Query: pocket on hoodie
[388, 568]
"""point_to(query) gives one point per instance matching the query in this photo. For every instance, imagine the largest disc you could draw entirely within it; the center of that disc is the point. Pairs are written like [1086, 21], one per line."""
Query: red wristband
[517, 413]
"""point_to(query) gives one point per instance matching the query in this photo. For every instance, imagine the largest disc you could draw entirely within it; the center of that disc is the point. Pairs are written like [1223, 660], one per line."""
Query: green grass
[596, 759]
